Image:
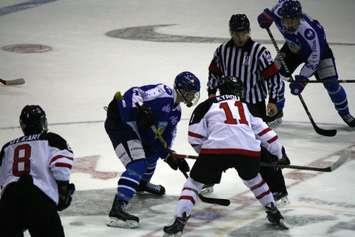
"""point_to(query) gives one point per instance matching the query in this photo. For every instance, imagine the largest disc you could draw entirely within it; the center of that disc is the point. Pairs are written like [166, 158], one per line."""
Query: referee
[248, 60]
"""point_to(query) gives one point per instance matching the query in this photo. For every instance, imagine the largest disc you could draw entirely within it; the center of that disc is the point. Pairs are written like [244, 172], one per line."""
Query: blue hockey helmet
[187, 85]
[239, 22]
[33, 120]
[291, 9]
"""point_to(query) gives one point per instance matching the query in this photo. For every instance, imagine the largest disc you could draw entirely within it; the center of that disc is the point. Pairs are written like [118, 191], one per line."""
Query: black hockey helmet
[291, 9]
[229, 85]
[33, 120]
[239, 22]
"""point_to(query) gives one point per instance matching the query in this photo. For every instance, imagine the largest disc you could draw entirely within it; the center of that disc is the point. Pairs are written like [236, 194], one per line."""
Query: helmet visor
[190, 97]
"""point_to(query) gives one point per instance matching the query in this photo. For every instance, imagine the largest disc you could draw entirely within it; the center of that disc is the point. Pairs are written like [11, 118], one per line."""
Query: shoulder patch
[201, 110]
[168, 90]
[309, 34]
[54, 140]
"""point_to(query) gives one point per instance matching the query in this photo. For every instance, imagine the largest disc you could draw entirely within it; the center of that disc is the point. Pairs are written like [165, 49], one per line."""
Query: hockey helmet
[33, 120]
[187, 85]
[239, 22]
[291, 9]
[229, 85]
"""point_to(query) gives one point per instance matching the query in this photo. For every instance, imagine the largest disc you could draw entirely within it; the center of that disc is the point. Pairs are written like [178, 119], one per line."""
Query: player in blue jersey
[306, 43]
[132, 123]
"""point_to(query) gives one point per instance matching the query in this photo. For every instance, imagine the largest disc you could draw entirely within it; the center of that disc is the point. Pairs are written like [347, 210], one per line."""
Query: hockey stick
[159, 137]
[13, 82]
[324, 132]
[340, 81]
[219, 201]
[315, 82]
[297, 167]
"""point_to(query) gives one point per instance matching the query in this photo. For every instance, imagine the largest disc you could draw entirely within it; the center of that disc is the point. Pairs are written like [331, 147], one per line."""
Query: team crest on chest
[246, 60]
[166, 108]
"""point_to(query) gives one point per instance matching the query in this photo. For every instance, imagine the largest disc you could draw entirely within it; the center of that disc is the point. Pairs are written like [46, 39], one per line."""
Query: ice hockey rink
[89, 49]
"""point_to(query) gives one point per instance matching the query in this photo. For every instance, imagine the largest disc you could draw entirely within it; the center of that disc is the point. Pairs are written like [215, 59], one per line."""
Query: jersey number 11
[229, 115]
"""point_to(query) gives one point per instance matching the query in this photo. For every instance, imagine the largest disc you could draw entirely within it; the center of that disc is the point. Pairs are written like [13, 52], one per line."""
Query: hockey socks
[260, 189]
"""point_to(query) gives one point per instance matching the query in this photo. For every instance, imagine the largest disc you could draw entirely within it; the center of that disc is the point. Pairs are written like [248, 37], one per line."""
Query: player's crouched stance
[34, 176]
[226, 135]
[133, 122]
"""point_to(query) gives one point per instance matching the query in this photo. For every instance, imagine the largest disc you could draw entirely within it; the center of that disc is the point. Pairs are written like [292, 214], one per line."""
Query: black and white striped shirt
[253, 64]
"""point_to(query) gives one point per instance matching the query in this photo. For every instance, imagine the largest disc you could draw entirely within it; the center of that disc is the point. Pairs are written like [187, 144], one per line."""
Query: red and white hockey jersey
[46, 157]
[224, 125]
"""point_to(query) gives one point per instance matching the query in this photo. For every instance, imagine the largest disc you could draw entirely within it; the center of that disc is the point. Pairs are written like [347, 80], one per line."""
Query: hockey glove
[145, 116]
[177, 163]
[298, 84]
[265, 19]
[65, 190]
[284, 160]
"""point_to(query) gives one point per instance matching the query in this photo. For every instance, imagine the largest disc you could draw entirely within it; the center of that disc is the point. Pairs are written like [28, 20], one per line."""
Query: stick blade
[18, 81]
[324, 132]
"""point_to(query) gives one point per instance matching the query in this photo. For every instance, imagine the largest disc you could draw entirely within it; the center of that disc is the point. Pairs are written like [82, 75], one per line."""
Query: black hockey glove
[284, 160]
[65, 190]
[145, 116]
[177, 163]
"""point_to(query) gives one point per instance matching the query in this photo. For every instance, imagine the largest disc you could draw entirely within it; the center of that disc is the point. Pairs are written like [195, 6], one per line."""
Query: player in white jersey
[34, 178]
[226, 135]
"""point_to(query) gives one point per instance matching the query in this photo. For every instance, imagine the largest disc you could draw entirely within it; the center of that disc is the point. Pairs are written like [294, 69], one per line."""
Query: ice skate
[177, 228]
[151, 188]
[120, 218]
[274, 216]
[207, 188]
[281, 198]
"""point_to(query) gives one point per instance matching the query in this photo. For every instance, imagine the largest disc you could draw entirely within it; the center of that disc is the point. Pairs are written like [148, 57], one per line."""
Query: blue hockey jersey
[308, 41]
[167, 113]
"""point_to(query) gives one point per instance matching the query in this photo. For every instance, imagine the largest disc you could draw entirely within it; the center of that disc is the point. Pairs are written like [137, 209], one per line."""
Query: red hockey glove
[265, 19]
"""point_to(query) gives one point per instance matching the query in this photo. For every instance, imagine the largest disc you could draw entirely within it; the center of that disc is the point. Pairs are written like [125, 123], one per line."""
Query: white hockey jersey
[224, 125]
[46, 157]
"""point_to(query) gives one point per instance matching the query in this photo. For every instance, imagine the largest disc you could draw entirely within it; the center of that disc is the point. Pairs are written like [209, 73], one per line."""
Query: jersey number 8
[21, 165]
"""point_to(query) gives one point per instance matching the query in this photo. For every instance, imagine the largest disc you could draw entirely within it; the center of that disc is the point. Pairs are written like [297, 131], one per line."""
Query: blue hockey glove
[265, 19]
[177, 163]
[298, 84]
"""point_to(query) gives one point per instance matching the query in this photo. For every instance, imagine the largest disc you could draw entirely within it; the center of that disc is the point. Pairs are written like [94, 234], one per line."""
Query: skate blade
[117, 223]
[283, 225]
[283, 202]
[207, 190]
[178, 234]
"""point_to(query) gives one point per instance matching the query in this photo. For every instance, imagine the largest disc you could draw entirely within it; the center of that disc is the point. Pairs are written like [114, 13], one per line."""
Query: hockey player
[226, 135]
[34, 176]
[133, 123]
[251, 62]
[306, 43]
